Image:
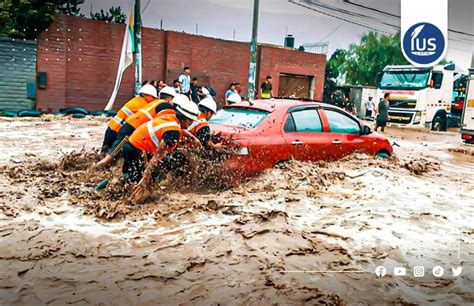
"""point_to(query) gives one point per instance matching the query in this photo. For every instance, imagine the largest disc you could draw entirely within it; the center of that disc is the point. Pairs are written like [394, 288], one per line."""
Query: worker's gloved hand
[138, 190]
[219, 147]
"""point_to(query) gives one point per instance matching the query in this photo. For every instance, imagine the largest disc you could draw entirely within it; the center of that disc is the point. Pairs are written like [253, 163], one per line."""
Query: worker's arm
[188, 134]
[215, 146]
[157, 157]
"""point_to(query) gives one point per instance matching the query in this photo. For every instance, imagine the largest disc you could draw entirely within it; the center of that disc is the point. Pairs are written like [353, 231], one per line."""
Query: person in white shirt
[369, 107]
[185, 79]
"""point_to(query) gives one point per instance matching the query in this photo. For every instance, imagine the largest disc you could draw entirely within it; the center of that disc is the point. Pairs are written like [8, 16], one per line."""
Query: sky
[337, 21]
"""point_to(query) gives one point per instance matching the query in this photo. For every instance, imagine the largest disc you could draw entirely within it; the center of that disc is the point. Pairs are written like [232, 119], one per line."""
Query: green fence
[17, 74]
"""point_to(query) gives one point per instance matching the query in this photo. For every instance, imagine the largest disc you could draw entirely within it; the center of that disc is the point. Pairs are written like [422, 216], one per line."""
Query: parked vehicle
[273, 131]
[467, 121]
[419, 96]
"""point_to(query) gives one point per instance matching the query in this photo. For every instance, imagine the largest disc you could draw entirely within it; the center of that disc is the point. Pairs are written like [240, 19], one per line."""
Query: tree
[370, 56]
[114, 15]
[334, 68]
[26, 18]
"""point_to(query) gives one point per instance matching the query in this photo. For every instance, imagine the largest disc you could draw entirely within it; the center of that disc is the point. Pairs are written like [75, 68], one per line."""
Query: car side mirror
[366, 130]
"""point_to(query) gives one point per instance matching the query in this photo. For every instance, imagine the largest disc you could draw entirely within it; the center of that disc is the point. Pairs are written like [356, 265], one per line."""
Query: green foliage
[114, 15]
[334, 68]
[370, 56]
[361, 63]
[26, 18]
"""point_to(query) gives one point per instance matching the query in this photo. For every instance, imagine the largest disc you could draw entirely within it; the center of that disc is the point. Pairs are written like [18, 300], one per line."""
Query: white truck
[467, 119]
[418, 96]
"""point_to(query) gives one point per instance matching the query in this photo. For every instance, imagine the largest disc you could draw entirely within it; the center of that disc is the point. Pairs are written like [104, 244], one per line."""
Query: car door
[303, 132]
[344, 134]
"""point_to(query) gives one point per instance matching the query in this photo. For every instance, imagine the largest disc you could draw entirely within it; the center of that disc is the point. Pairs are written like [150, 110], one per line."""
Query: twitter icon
[456, 271]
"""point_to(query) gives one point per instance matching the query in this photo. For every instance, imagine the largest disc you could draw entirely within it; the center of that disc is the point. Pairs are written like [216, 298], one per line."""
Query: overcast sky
[309, 24]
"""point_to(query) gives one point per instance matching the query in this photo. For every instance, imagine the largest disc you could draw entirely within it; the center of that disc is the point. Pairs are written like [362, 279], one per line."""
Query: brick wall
[81, 59]
[17, 66]
[215, 62]
[275, 60]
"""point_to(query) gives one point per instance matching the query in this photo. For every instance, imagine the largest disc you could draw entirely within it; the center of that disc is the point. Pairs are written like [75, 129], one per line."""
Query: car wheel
[382, 154]
[438, 124]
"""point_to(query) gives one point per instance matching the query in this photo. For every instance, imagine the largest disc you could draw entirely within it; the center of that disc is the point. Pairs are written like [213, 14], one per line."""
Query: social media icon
[419, 271]
[456, 271]
[380, 271]
[438, 271]
[399, 271]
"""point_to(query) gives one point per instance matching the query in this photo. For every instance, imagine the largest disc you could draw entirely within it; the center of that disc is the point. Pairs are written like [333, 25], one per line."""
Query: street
[299, 233]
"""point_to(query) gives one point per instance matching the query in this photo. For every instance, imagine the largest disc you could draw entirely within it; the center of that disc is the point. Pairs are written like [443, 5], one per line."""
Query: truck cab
[418, 96]
[467, 120]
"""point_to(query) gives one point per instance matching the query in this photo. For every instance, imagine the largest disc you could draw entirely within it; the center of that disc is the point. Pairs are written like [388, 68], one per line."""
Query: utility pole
[138, 46]
[253, 52]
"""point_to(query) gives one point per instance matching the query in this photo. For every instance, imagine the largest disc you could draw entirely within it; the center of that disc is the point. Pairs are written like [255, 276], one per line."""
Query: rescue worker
[143, 115]
[155, 138]
[181, 158]
[200, 128]
[147, 94]
[233, 98]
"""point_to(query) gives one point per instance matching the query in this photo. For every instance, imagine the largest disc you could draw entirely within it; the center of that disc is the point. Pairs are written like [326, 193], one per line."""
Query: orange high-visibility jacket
[198, 124]
[130, 108]
[147, 137]
[147, 113]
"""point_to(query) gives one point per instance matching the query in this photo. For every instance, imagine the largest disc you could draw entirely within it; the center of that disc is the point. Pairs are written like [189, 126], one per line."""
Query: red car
[276, 130]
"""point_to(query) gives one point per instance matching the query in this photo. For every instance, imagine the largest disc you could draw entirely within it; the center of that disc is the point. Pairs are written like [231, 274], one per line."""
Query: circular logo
[438, 271]
[423, 44]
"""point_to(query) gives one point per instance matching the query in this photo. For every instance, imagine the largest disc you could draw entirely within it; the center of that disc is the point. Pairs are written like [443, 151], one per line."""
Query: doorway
[297, 86]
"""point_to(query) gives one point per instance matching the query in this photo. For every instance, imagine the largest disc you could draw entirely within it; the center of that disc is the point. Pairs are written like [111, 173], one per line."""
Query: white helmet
[234, 98]
[209, 103]
[188, 109]
[148, 90]
[180, 99]
[205, 91]
[168, 90]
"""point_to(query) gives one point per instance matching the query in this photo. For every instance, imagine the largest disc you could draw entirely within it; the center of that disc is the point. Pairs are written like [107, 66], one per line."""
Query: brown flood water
[301, 233]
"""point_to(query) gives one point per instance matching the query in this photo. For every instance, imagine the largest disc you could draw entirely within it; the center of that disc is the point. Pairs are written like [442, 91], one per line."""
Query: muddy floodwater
[301, 233]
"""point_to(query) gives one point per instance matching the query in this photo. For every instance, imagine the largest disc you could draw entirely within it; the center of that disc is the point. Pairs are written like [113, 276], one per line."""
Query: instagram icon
[419, 271]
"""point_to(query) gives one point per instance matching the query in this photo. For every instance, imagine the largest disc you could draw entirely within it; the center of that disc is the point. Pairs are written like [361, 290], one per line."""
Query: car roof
[271, 105]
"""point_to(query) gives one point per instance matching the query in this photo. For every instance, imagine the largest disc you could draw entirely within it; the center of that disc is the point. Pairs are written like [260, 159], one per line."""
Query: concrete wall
[17, 69]
[81, 59]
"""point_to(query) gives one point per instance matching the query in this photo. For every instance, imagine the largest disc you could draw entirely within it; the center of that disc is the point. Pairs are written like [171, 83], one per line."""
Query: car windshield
[243, 117]
[404, 80]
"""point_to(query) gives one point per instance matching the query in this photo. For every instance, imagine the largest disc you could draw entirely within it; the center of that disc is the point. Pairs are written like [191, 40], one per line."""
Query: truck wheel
[438, 124]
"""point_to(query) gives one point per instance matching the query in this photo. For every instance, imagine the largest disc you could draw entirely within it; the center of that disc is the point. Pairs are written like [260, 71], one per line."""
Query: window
[437, 79]
[340, 123]
[404, 80]
[304, 121]
[243, 117]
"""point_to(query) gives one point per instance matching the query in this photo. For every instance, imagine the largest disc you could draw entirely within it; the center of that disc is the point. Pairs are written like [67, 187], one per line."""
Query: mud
[301, 233]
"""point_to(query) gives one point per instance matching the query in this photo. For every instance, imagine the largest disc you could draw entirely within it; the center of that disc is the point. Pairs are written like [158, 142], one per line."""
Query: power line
[340, 18]
[397, 16]
[369, 17]
[146, 6]
[330, 33]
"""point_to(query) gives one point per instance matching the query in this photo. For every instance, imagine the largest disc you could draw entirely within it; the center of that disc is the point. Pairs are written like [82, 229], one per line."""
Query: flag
[126, 56]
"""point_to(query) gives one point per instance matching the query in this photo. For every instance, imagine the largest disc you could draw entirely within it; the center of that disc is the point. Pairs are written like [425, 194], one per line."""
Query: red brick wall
[275, 60]
[88, 57]
[81, 59]
[215, 62]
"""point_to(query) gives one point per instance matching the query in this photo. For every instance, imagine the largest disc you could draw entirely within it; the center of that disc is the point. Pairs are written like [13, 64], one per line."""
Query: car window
[341, 123]
[303, 121]
[244, 117]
